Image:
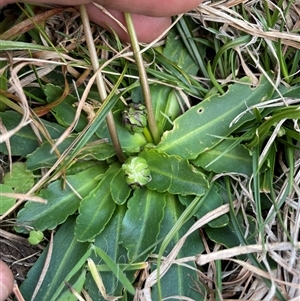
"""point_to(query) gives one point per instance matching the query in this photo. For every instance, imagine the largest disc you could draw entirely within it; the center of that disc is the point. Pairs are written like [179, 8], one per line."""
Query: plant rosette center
[137, 172]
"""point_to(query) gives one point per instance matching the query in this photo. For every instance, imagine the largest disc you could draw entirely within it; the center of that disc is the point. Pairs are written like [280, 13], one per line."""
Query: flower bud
[135, 118]
[137, 172]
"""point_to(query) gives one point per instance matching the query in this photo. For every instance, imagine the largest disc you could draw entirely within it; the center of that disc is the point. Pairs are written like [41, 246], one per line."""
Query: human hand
[151, 17]
[6, 281]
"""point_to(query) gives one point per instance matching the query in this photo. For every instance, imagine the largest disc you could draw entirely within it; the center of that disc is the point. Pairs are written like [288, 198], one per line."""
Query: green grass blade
[191, 45]
[115, 269]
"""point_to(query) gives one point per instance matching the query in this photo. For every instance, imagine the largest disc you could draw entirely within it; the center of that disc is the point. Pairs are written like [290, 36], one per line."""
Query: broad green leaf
[99, 150]
[204, 125]
[60, 202]
[165, 104]
[5, 202]
[173, 211]
[287, 91]
[20, 179]
[228, 236]
[173, 174]
[55, 130]
[79, 166]
[220, 221]
[120, 191]
[179, 280]
[141, 224]
[176, 52]
[214, 200]
[96, 209]
[110, 238]
[24, 141]
[225, 158]
[130, 143]
[109, 241]
[21, 143]
[42, 157]
[67, 252]
[65, 111]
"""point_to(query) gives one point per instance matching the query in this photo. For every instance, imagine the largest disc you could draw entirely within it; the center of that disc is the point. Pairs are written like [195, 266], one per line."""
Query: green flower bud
[137, 172]
[135, 118]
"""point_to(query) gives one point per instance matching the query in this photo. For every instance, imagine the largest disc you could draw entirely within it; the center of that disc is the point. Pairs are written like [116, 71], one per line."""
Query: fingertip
[147, 28]
[6, 281]
[157, 8]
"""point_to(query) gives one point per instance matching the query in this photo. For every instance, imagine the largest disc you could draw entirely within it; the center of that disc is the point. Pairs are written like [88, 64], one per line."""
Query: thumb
[6, 281]
[147, 28]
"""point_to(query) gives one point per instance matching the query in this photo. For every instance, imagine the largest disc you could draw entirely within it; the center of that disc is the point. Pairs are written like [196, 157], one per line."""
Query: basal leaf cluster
[125, 229]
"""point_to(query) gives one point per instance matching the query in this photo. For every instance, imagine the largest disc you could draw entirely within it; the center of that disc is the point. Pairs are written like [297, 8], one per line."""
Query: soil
[17, 253]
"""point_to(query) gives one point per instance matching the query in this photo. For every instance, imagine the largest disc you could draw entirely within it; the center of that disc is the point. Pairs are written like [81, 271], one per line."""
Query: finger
[158, 8]
[6, 281]
[147, 28]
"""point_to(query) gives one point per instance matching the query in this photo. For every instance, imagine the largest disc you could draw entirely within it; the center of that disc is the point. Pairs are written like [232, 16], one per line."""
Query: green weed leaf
[228, 235]
[109, 241]
[214, 200]
[176, 282]
[20, 179]
[42, 156]
[97, 150]
[173, 174]
[66, 110]
[21, 143]
[176, 52]
[141, 223]
[120, 191]
[60, 202]
[173, 211]
[130, 143]
[5, 202]
[24, 141]
[204, 125]
[225, 158]
[165, 104]
[67, 253]
[96, 209]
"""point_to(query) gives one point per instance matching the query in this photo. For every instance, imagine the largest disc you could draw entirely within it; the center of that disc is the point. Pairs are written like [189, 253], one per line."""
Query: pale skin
[151, 18]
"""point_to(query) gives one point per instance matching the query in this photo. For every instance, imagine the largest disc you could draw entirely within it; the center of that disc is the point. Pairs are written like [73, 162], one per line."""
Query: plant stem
[143, 78]
[3, 86]
[100, 82]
